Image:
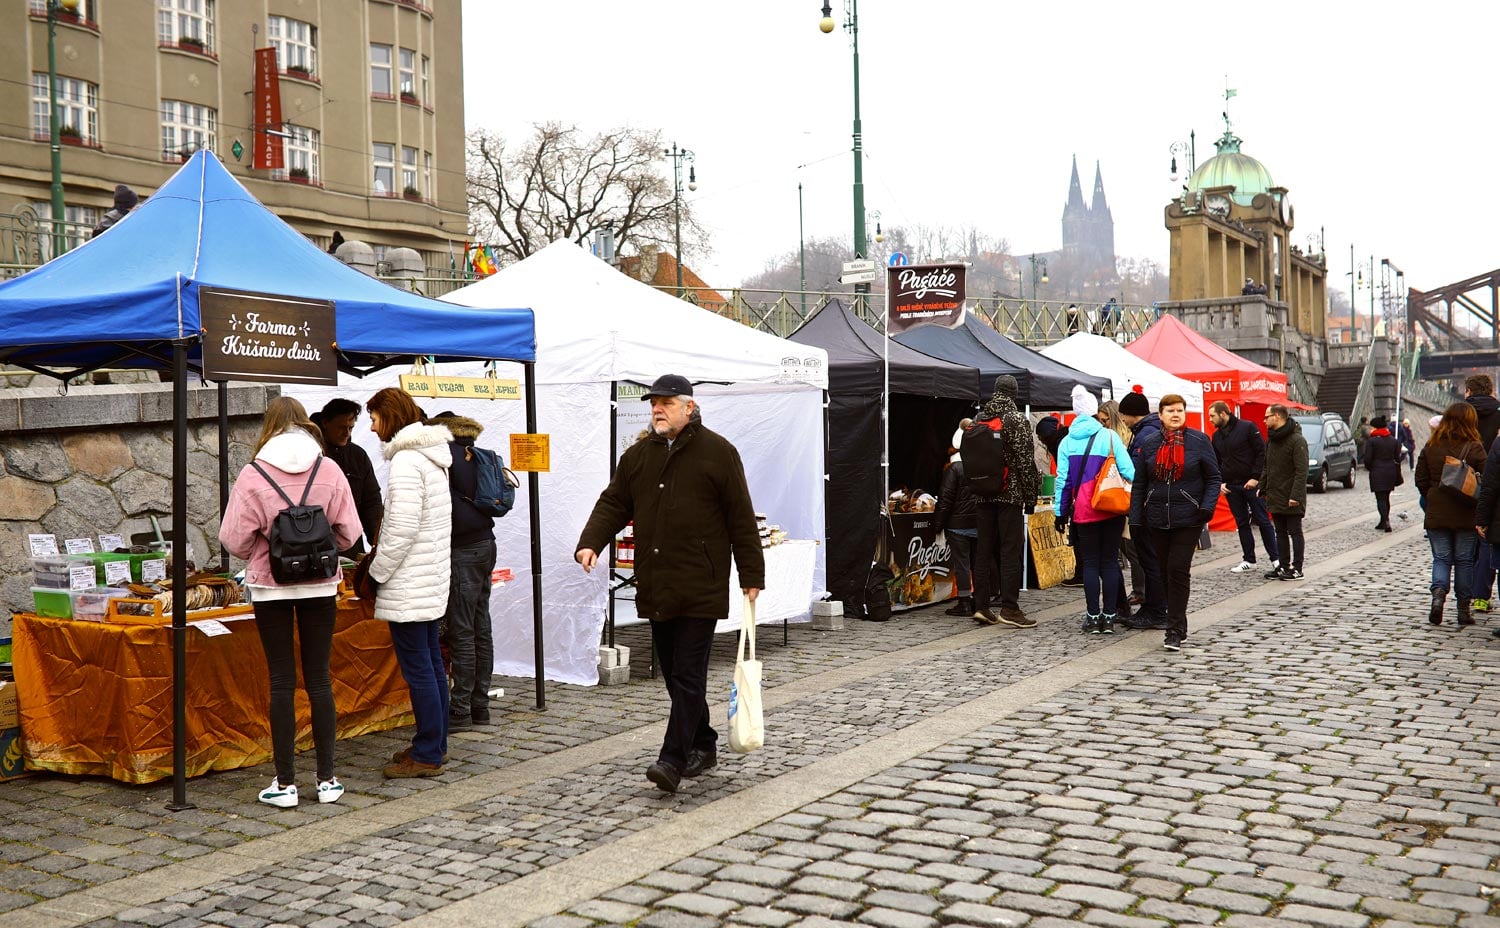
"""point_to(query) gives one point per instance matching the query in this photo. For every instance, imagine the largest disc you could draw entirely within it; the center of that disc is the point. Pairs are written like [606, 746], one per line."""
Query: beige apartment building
[371, 108]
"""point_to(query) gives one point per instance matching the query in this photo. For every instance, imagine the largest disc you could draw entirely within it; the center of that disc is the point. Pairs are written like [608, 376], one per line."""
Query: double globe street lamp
[851, 23]
[678, 156]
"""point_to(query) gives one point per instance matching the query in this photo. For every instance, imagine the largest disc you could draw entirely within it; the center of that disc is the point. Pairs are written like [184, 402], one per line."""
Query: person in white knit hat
[1095, 534]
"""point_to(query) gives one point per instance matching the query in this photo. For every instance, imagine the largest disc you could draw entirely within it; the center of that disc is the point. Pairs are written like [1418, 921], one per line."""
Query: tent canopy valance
[1224, 375]
[1127, 372]
[1044, 382]
[856, 356]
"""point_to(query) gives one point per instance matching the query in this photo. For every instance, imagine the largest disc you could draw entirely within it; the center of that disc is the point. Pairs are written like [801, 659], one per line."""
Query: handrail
[1364, 397]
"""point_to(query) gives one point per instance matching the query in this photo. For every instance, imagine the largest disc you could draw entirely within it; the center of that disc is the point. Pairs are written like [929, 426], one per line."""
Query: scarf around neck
[1169, 457]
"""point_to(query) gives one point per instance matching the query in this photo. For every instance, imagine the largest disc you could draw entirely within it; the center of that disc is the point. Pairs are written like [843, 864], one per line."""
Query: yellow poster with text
[531, 453]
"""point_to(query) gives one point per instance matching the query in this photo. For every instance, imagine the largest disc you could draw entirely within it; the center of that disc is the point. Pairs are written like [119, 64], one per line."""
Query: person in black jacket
[1479, 392]
[684, 486]
[336, 420]
[470, 638]
[1135, 412]
[1383, 461]
[1175, 490]
[1242, 461]
[956, 518]
[1487, 506]
[125, 201]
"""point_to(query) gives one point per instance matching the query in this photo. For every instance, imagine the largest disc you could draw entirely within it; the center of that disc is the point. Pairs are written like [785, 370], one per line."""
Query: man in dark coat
[125, 201]
[1285, 489]
[1242, 459]
[684, 487]
[1383, 461]
[1479, 392]
[1135, 412]
[1002, 518]
[336, 419]
[956, 518]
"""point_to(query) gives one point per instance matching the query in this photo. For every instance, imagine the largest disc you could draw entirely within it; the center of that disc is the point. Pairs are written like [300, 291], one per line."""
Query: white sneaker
[282, 797]
[1242, 567]
[330, 790]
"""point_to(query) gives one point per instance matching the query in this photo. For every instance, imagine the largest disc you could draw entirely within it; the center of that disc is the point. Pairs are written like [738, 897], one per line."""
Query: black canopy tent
[1044, 383]
[131, 298]
[925, 392]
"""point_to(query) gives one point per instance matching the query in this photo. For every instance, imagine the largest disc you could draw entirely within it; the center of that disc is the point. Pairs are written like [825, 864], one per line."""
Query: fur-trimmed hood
[429, 440]
[462, 427]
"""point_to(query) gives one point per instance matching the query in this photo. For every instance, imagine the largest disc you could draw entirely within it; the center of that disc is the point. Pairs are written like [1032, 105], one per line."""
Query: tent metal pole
[1026, 528]
[179, 576]
[533, 487]
[223, 465]
[614, 440]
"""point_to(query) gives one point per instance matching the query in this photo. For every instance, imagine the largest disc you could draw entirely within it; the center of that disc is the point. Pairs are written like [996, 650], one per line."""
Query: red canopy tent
[1247, 387]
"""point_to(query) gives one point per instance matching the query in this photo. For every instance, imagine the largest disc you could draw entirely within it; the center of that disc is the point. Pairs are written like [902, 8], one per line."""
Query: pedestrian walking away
[289, 614]
[684, 487]
[412, 568]
[1451, 516]
[1479, 392]
[1002, 516]
[1487, 505]
[466, 621]
[1176, 487]
[956, 517]
[1241, 453]
[1408, 442]
[1135, 412]
[1284, 488]
[1096, 535]
[1383, 461]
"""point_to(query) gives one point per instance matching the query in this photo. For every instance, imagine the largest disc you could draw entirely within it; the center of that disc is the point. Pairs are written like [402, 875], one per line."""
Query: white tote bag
[747, 728]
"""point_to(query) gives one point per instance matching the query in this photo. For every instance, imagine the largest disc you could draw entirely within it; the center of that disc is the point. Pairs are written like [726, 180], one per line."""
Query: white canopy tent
[595, 327]
[1125, 371]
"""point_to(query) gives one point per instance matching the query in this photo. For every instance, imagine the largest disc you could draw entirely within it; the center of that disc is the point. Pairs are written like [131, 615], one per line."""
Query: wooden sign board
[460, 388]
[531, 453]
[265, 337]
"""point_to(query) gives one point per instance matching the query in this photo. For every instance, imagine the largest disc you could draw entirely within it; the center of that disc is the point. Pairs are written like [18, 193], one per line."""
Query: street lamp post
[851, 23]
[1034, 262]
[679, 155]
[58, 206]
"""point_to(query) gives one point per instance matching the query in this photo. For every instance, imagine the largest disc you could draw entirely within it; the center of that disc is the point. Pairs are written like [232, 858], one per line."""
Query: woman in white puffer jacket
[411, 566]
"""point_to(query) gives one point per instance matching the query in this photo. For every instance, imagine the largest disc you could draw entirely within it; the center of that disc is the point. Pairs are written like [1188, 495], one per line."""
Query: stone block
[828, 622]
[25, 499]
[609, 658]
[98, 454]
[614, 676]
[830, 607]
[46, 410]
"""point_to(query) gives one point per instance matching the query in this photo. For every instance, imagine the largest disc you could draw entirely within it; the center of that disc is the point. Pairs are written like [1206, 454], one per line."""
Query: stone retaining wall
[99, 459]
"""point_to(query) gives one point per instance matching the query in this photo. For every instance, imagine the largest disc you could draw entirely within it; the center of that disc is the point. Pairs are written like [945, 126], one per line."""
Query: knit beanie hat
[1379, 422]
[1084, 403]
[1134, 403]
[1005, 385]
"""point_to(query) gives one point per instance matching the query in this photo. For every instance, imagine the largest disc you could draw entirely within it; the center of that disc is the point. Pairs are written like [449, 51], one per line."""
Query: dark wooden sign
[924, 294]
[265, 337]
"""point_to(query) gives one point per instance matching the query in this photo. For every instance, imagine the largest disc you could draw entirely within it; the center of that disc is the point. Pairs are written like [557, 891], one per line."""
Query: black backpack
[302, 546]
[983, 452]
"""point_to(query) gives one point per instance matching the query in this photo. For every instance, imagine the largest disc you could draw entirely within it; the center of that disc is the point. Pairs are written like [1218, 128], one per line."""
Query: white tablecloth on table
[788, 594]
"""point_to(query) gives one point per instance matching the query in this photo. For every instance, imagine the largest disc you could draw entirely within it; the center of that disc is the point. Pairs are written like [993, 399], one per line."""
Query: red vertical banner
[269, 154]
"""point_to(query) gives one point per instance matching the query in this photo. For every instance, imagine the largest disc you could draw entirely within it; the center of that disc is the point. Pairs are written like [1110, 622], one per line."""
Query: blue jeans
[1097, 545]
[420, 656]
[1453, 551]
[1247, 506]
[470, 637]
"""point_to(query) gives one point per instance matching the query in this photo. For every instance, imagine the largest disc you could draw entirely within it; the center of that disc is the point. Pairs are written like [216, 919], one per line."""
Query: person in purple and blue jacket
[1096, 535]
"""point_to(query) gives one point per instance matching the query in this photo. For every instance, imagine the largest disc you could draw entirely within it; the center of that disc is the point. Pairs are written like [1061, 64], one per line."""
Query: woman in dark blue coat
[1176, 488]
[1383, 461]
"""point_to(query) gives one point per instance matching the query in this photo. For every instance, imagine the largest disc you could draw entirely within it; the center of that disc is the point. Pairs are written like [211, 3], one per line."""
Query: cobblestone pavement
[1131, 774]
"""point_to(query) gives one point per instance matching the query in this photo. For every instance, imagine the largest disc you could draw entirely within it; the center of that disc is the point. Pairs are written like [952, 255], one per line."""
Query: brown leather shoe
[411, 768]
[400, 756]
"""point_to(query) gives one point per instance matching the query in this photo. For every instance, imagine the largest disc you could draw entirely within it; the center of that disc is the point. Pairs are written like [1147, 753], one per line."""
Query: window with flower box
[77, 110]
[296, 44]
[407, 74]
[186, 24]
[185, 128]
[409, 187]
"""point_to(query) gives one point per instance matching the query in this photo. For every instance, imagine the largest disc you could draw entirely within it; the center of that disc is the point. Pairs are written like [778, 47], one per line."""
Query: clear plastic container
[50, 571]
[91, 605]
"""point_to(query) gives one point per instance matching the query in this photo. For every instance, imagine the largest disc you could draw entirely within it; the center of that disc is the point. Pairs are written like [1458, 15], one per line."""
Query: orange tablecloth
[96, 698]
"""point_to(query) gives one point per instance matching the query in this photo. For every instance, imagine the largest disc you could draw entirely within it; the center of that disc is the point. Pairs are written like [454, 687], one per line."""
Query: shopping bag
[1458, 476]
[1111, 490]
[747, 729]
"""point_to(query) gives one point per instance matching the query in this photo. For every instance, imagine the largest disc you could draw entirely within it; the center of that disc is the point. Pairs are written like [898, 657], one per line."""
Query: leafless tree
[564, 184]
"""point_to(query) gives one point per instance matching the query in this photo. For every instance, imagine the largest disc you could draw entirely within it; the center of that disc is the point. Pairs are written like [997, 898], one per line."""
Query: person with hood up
[1451, 517]
[1479, 392]
[955, 517]
[411, 566]
[125, 201]
[1002, 518]
[1284, 485]
[290, 453]
[470, 638]
[1096, 535]
[336, 419]
[1383, 462]
[1135, 412]
[1176, 488]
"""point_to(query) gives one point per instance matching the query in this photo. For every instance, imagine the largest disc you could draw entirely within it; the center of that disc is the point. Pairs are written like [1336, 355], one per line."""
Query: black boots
[1465, 612]
[964, 607]
[1435, 613]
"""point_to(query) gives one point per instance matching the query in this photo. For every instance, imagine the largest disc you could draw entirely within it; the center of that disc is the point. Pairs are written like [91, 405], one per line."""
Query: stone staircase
[1339, 389]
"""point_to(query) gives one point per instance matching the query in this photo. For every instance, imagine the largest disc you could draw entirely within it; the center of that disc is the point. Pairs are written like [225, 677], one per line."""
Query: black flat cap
[670, 385]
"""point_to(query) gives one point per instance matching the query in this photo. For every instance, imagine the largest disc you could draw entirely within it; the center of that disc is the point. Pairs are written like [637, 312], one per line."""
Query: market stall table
[96, 697]
[788, 593]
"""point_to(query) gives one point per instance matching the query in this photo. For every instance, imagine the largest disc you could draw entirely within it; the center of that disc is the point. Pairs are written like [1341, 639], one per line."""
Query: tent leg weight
[614, 665]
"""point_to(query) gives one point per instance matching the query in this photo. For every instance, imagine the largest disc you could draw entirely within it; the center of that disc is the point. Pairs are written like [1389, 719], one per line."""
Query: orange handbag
[1111, 491]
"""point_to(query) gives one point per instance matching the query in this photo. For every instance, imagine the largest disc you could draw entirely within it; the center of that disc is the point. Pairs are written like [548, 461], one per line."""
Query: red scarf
[1169, 456]
[1380, 433]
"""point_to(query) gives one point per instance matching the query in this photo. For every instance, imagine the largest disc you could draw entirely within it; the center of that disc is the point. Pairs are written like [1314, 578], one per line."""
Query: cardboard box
[12, 764]
[10, 710]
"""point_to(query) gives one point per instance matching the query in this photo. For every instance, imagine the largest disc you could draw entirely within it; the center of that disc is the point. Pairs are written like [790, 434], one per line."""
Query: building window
[77, 110]
[380, 70]
[296, 44]
[301, 146]
[427, 175]
[385, 169]
[186, 24]
[426, 90]
[408, 77]
[185, 128]
[79, 222]
[409, 172]
[86, 15]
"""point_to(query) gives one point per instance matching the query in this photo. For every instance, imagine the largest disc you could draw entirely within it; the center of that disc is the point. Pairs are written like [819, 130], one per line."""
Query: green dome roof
[1231, 168]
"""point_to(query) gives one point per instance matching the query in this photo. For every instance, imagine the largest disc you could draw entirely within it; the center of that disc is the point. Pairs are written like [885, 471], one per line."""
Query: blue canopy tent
[130, 298]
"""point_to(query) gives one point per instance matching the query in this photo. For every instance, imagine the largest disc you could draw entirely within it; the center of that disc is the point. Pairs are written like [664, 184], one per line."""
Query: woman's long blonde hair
[284, 413]
[1109, 416]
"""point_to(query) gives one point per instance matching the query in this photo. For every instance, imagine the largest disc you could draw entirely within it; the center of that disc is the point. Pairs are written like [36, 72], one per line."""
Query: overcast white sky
[1379, 119]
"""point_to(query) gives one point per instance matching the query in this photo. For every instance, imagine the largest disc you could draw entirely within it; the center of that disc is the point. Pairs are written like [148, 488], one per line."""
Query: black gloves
[1061, 524]
[1028, 508]
[1205, 516]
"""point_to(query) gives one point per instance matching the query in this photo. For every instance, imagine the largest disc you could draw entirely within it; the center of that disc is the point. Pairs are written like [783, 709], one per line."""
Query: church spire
[1100, 205]
[1075, 190]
